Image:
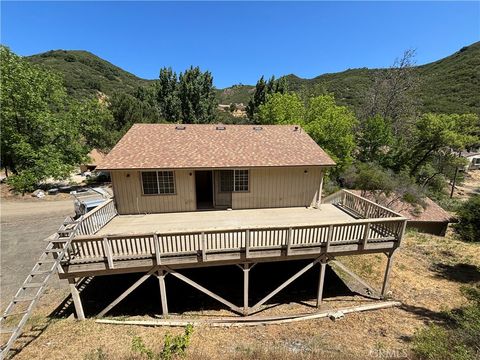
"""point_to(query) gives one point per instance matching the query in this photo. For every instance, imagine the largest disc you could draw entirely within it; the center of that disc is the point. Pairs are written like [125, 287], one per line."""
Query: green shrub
[172, 346]
[458, 338]
[468, 226]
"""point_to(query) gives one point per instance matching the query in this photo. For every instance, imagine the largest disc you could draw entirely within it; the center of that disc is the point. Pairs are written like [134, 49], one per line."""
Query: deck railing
[359, 233]
[97, 218]
[359, 206]
[373, 226]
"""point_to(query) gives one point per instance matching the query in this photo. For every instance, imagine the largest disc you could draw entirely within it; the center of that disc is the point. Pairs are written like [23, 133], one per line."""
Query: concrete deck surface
[223, 219]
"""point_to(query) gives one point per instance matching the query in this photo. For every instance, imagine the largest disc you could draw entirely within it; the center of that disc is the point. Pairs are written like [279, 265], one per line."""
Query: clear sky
[238, 42]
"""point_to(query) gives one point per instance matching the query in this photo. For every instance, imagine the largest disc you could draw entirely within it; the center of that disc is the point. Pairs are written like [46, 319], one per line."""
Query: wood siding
[130, 199]
[268, 188]
[280, 187]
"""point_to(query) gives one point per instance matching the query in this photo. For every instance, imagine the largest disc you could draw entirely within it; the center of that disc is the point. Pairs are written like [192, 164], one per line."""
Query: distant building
[95, 157]
[430, 218]
[473, 159]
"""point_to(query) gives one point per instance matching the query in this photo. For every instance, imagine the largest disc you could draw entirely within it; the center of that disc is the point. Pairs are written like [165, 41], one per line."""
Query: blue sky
[238, 42]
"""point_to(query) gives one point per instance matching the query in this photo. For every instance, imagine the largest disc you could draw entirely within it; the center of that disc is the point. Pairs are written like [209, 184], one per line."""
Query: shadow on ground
[226, 281]
[463, 273]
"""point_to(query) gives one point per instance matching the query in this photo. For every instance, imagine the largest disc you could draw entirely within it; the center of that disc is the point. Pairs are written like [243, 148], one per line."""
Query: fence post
[108, 252]
[363, 244]
[247, 243]
[289, 240]
[204, 247]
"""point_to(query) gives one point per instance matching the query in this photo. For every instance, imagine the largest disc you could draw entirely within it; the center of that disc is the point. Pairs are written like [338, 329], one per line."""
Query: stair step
[59, 240]
[47, 261]
[32, 285]
[14, 314]
[24, 299]
[40, 272]
[53, 250]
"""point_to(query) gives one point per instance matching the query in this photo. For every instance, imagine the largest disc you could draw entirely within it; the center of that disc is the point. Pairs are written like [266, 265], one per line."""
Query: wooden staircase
[21, 307]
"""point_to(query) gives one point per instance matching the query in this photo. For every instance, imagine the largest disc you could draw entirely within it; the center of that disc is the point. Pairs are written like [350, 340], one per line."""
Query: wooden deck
[162, 244]
[223, 219]
[345, 224]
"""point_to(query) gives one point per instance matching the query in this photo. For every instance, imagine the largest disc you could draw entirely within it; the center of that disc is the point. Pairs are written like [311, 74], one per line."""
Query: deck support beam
[163, 291]
[321, 281]
[246, 278]
[284, 285]
[77, 301]
[388, 271]
[205, 291]
[127, 292]
[370, 290]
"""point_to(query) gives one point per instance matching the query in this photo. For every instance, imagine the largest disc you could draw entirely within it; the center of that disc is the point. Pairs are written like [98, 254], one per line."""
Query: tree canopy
[40, 134]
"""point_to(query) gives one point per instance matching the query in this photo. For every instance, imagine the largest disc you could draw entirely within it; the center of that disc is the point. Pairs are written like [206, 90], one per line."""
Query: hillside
[448, 85]
[85, 73]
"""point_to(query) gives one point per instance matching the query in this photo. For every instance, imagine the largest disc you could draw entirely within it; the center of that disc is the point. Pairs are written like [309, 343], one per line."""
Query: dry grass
[427, 276]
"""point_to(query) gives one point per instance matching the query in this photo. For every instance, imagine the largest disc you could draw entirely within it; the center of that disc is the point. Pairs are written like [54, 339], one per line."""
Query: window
[241, 180]
[158, 182]
[226, 180]
[233, 180]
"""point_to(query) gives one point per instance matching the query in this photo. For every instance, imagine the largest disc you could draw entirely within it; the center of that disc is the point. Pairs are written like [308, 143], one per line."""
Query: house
[193, 196]
[473, 159]
[158, 168]
[94, 158]
[428, 217]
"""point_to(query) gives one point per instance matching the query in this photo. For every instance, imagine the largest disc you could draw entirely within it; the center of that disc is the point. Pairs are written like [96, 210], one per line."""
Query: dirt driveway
[24, 225]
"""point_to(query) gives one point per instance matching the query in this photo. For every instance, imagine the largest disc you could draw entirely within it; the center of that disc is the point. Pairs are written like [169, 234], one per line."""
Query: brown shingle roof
[162, 146]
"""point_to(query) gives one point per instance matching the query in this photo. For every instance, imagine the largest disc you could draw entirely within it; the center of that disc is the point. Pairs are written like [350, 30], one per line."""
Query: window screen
[158, 182]
[150, 184]
[166, 184]
[241, 180]
[226, 180]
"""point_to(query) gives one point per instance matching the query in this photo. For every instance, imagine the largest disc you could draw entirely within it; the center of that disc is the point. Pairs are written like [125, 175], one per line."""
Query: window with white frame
[241, 180]
[158, 182]
[234, 180]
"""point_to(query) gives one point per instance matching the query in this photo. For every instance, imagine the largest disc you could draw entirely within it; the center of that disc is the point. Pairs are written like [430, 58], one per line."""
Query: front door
[204, 189]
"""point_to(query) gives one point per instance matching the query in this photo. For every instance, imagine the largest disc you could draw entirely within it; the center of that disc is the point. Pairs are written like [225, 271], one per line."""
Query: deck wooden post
[364, 240]
[388, 271]
[321, 281]
[77, 301]
[163, 291]
[247, 243]
[246, 275]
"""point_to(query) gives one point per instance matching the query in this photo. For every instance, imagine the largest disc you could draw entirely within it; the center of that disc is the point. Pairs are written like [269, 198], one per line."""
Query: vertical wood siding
[130, 199]
[268, 188]
[279, 187]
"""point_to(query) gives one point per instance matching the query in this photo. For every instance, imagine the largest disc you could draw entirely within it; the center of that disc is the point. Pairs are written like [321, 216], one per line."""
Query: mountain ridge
[447, 85]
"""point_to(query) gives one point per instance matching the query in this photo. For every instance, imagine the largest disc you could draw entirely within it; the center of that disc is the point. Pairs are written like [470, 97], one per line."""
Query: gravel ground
[24, 225]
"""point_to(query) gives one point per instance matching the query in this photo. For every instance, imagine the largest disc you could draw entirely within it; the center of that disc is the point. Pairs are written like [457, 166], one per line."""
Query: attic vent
[221, 127]
[180, 127]
[257, 128]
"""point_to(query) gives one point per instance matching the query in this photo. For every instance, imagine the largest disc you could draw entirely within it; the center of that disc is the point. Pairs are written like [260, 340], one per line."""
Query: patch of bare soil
[6, 193]
[470, 186]
[427, 276]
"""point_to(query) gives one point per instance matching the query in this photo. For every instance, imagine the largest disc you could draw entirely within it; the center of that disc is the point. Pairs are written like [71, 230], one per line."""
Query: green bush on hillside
[458, 338]
[468, 226]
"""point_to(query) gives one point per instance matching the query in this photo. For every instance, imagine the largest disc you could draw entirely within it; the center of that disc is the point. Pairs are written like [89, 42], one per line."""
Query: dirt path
[24, 226]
